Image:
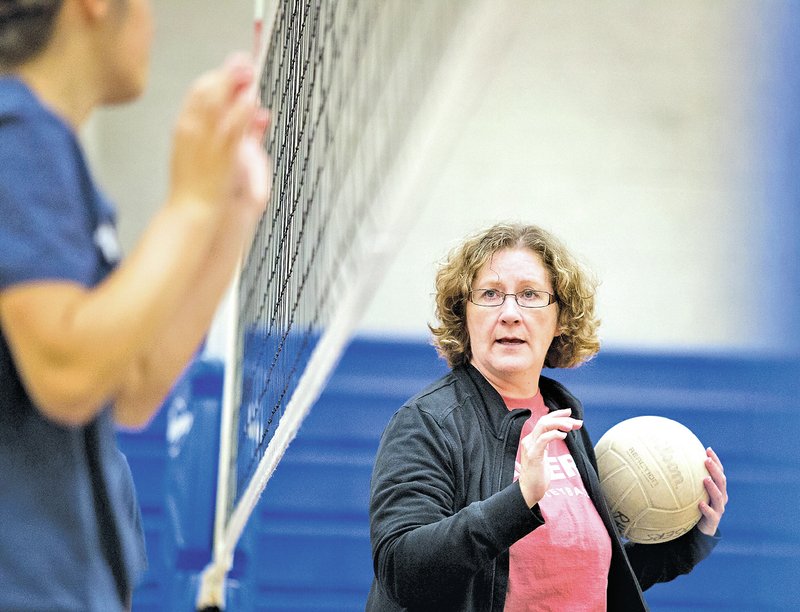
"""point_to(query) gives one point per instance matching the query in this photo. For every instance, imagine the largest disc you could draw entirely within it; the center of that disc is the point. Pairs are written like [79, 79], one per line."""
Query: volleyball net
[366, 96]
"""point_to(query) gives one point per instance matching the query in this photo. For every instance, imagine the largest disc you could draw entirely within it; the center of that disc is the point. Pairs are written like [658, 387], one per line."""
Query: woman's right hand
[534, 471]
[218, 162]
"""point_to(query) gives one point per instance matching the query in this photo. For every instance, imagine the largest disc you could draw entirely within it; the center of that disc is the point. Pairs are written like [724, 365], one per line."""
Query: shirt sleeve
[653, 563]
[46, 224]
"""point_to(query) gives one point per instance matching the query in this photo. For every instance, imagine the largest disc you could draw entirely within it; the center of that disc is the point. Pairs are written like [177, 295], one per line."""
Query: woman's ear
[559, 323]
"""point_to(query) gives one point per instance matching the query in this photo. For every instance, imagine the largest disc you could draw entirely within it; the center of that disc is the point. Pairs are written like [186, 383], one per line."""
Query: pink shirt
[562, 565]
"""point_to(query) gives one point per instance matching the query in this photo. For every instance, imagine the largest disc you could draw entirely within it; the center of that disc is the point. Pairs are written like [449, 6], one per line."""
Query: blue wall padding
[193, 417]
[307, 547]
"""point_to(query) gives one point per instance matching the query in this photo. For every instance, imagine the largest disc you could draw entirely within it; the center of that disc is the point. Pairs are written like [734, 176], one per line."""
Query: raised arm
[126, 340]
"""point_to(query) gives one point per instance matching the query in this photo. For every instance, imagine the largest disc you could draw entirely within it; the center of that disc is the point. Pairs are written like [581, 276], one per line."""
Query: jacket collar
[491, 403]
[554, 393]
[557, 396]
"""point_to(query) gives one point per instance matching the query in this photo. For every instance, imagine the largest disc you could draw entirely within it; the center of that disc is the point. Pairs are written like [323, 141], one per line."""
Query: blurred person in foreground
[485, 494]
[87, 341]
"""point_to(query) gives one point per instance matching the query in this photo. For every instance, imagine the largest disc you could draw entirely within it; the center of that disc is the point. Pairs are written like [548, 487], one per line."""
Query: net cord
[212, 586]
[454, 93]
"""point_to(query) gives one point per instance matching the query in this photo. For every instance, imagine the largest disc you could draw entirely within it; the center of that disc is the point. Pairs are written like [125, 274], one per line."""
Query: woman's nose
[509, 309]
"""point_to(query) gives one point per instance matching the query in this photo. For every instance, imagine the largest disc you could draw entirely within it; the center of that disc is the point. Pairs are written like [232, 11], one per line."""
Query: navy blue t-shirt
[70, 528]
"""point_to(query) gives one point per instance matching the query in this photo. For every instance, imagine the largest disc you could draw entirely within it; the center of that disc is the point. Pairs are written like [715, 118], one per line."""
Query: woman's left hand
[716, 486]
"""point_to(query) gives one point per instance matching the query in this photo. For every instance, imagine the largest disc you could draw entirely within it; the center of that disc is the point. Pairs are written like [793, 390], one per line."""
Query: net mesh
[342, 80]
[358, 95]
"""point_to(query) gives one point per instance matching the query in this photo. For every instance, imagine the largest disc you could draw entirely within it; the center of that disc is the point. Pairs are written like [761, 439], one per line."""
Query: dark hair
[25, 29]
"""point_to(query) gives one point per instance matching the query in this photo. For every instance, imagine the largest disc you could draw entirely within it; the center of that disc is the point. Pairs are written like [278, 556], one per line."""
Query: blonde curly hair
[573, 284]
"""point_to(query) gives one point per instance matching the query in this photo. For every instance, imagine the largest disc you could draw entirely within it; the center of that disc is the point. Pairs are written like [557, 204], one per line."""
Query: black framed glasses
[527, 298]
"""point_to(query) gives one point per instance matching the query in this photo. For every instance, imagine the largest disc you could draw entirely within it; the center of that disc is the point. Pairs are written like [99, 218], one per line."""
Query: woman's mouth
[510, 341]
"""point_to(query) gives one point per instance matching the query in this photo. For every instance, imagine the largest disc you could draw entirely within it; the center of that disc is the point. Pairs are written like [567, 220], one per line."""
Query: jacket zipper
[499, 481]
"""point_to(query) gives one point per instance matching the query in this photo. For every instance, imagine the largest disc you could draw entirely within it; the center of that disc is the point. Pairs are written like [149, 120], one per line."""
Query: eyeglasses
[527, 298]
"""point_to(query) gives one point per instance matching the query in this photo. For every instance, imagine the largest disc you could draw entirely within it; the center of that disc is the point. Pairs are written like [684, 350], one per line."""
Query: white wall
[627, 128]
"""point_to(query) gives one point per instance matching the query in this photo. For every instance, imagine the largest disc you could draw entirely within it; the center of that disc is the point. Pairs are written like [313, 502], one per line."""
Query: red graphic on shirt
[563, 564]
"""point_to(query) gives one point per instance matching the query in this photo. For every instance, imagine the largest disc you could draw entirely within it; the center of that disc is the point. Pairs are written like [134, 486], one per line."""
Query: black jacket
[444, 509]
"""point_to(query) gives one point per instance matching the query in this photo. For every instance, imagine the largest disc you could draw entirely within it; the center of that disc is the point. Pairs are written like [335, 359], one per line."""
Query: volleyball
[651, 471]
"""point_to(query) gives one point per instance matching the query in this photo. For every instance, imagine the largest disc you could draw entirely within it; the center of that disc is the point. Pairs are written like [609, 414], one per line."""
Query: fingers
[709, 521]
[557, 421]
[239, 67]
[716, 487]
[241, 116]
[229, 104]
[716, 498]
[260, 124]
[254, 159]
[534, 472]
[711, 512]
[224, 101]
[713, 458]
[717, 483]
[217, 88]
[256, 180]
[552, 426]
[216, 153]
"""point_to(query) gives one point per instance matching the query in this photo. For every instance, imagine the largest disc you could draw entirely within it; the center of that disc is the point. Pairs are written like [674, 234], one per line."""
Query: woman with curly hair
[485, 494]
